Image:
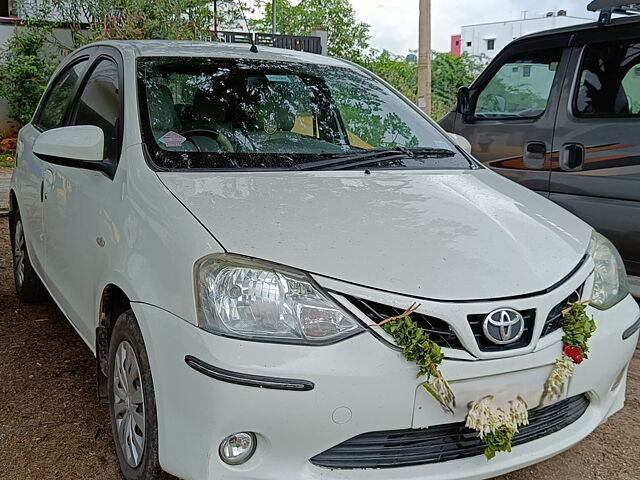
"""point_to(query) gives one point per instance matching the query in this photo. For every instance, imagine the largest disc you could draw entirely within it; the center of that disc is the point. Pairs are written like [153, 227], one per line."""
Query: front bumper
[360, 385]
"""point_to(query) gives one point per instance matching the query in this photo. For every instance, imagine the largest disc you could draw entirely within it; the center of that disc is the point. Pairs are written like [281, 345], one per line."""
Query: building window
[526, 70]
[515, 70]
[468, 44]
[491, 44]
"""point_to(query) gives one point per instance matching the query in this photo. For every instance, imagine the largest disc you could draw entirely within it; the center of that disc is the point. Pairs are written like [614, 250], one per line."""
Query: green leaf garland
[495, 426]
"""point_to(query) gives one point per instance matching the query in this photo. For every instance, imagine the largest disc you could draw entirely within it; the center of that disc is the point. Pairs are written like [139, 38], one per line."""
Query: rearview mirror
[464, 104]
[80, 146]
[84, 143]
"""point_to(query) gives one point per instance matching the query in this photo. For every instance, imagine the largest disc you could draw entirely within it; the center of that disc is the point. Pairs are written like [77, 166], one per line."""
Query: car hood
[448, 235]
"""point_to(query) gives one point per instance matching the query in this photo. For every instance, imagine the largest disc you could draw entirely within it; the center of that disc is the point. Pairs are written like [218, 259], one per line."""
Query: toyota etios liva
[222, 227]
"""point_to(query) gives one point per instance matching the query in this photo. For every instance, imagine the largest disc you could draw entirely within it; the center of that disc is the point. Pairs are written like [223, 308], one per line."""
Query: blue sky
[394, 23]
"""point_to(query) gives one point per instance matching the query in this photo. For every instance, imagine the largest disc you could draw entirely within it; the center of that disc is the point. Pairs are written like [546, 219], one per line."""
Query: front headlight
[254, 300]
[610, 277]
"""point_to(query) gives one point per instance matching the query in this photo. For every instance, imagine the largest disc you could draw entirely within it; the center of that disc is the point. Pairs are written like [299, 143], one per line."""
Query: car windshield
[214, 113]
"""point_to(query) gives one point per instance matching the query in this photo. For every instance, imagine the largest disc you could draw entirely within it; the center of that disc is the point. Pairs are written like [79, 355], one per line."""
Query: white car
[221, 227]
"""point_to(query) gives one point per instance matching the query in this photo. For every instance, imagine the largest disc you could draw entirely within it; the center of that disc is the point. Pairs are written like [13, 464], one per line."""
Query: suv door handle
[535, 154]
[572, 157]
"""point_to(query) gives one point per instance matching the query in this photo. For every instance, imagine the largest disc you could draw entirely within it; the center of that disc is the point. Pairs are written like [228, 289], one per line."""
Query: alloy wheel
[19, 253]
[128, 404]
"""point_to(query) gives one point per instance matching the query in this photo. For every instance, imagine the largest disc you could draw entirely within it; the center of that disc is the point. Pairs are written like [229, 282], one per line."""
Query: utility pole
[424, 57]
[273, 17]
[215, 19]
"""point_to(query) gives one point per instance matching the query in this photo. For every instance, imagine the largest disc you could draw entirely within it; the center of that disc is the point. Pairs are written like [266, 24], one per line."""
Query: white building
[489, 38]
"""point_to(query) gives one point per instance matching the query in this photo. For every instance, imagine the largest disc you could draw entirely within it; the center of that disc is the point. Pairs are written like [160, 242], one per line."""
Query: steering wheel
[220, 138]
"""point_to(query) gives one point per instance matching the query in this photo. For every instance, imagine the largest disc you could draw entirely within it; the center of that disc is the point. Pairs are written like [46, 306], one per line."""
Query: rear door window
[609, 81]
[521, 87]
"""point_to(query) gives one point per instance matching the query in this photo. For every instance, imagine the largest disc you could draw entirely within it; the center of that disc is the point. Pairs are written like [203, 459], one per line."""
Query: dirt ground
[53, 427]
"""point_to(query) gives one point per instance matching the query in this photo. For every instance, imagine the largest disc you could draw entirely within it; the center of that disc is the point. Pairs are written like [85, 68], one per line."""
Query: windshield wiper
[374, 156]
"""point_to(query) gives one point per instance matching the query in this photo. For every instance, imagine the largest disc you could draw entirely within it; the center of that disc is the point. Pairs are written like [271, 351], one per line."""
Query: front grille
[439, 330]
[486, 345]
[554, 319]
[401, 448]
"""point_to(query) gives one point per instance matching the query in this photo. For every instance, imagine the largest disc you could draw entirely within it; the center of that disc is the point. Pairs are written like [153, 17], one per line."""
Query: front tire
[132, 405]
[29, 287]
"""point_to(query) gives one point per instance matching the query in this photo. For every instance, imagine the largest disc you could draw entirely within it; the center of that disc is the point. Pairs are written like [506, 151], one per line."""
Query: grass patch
[7, 159]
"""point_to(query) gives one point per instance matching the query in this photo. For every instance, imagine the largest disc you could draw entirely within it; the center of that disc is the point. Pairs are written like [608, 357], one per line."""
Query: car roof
[182, 48]
[616, 22]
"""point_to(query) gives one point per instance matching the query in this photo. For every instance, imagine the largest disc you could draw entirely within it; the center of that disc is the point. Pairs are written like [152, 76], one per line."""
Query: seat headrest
[162, 110]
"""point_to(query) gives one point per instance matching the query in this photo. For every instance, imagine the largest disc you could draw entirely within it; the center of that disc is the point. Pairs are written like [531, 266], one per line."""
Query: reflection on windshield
[221, 113]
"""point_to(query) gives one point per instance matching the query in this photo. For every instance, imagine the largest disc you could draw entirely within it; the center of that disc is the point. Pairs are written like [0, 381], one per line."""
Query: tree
[25, 70]
[396, 70]
[92, 20]
[347, 38]
[448, 74]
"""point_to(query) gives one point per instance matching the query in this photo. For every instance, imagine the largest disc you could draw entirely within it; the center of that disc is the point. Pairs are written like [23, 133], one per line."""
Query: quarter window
[609, 81]
[516, 92]
[99, 104]
[55, 105]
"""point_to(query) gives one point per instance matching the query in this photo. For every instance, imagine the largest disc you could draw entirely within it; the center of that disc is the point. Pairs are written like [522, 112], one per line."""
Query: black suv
[559, 112]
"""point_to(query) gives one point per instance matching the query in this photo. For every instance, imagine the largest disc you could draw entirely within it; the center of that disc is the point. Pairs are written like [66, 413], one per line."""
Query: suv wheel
[132, 404]
[28, 285]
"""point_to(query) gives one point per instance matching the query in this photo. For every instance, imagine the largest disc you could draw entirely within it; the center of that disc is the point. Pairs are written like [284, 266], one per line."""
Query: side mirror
[80, 146]
[464, 104]
[462, 142]
[83, 143]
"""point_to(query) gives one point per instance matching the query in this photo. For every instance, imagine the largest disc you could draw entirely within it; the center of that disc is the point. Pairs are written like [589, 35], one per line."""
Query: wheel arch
[13, 209]
[113, 302]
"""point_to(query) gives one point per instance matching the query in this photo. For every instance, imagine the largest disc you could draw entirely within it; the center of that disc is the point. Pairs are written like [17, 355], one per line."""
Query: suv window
[609, 81]
[521, 88]
[60, 94]
[99, 104]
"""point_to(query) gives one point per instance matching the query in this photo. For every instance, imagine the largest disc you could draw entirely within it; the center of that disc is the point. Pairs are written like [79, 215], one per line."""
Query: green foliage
[578, 327]
[420, 349]
[400, 73]
[26, 68]
[448, 74]
[93, 20]
[498, 440]
[417, 345]
[347, 38]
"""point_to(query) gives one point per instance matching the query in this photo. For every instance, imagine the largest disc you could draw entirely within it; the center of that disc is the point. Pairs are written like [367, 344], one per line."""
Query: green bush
[25, 68]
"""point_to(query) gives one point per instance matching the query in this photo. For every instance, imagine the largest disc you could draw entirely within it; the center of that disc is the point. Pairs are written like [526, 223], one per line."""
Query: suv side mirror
[80, 146]
[464, 104]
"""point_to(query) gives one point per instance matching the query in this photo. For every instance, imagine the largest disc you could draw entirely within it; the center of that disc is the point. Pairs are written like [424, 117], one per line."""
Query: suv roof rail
[608, 7]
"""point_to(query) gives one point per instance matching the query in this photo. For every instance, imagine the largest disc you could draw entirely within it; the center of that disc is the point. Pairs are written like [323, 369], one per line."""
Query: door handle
[535, 154]
[47, 181]
[572, 157]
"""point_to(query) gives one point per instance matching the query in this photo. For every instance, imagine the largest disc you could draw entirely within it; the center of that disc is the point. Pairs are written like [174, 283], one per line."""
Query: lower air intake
[401, 448]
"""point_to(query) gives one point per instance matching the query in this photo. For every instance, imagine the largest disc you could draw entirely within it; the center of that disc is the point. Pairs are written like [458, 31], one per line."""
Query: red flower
[574, 353]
